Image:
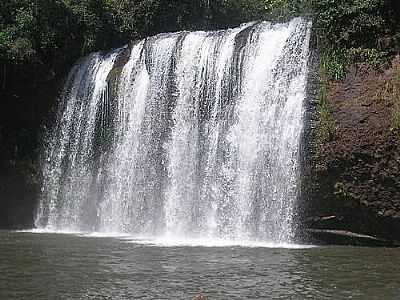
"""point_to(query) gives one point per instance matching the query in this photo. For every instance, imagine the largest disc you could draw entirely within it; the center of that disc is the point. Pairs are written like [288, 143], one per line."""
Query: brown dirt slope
[356, 175]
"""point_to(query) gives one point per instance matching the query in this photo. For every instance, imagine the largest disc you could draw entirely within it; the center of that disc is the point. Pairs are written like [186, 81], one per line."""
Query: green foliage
[51, 34]
[284, 9]
[333, 64]
[351, 31]
[335, 61]
[373, 57]
[350, 23]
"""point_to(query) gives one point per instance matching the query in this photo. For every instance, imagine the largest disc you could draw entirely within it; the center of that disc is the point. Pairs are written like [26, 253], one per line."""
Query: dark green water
[50, 266]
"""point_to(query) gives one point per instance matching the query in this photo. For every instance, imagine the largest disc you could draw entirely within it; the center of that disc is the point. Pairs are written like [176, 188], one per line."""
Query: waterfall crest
[194, 134]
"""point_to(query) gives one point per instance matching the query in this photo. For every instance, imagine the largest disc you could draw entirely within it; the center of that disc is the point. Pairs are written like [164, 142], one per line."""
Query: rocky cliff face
[355, 181]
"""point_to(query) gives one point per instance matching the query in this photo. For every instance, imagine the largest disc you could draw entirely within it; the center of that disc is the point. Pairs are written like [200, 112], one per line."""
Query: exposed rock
[356, 176]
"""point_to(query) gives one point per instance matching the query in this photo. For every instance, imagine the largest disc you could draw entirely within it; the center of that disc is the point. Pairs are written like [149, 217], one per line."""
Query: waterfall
[182, 135]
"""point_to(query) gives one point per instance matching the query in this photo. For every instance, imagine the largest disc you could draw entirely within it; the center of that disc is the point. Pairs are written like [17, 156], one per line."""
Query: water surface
[61, 266]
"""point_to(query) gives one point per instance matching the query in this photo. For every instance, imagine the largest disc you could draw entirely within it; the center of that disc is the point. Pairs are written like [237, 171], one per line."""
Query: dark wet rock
[341, 237]
[325, 222]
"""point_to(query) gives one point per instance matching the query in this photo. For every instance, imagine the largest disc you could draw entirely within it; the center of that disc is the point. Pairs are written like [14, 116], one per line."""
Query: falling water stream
[182, 135]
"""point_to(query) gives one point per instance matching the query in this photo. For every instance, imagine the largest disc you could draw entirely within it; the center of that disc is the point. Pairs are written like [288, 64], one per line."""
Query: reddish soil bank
[356, 175]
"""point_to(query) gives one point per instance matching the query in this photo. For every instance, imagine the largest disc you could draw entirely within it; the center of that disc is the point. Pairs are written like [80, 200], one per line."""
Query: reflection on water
[49, 266]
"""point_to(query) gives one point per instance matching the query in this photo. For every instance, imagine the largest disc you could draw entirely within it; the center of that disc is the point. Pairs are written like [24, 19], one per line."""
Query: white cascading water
[194, 135]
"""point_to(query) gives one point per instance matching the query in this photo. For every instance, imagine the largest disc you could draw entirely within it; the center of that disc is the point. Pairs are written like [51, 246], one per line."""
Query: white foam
[49, 231]
[171, 242]
[214, 243]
